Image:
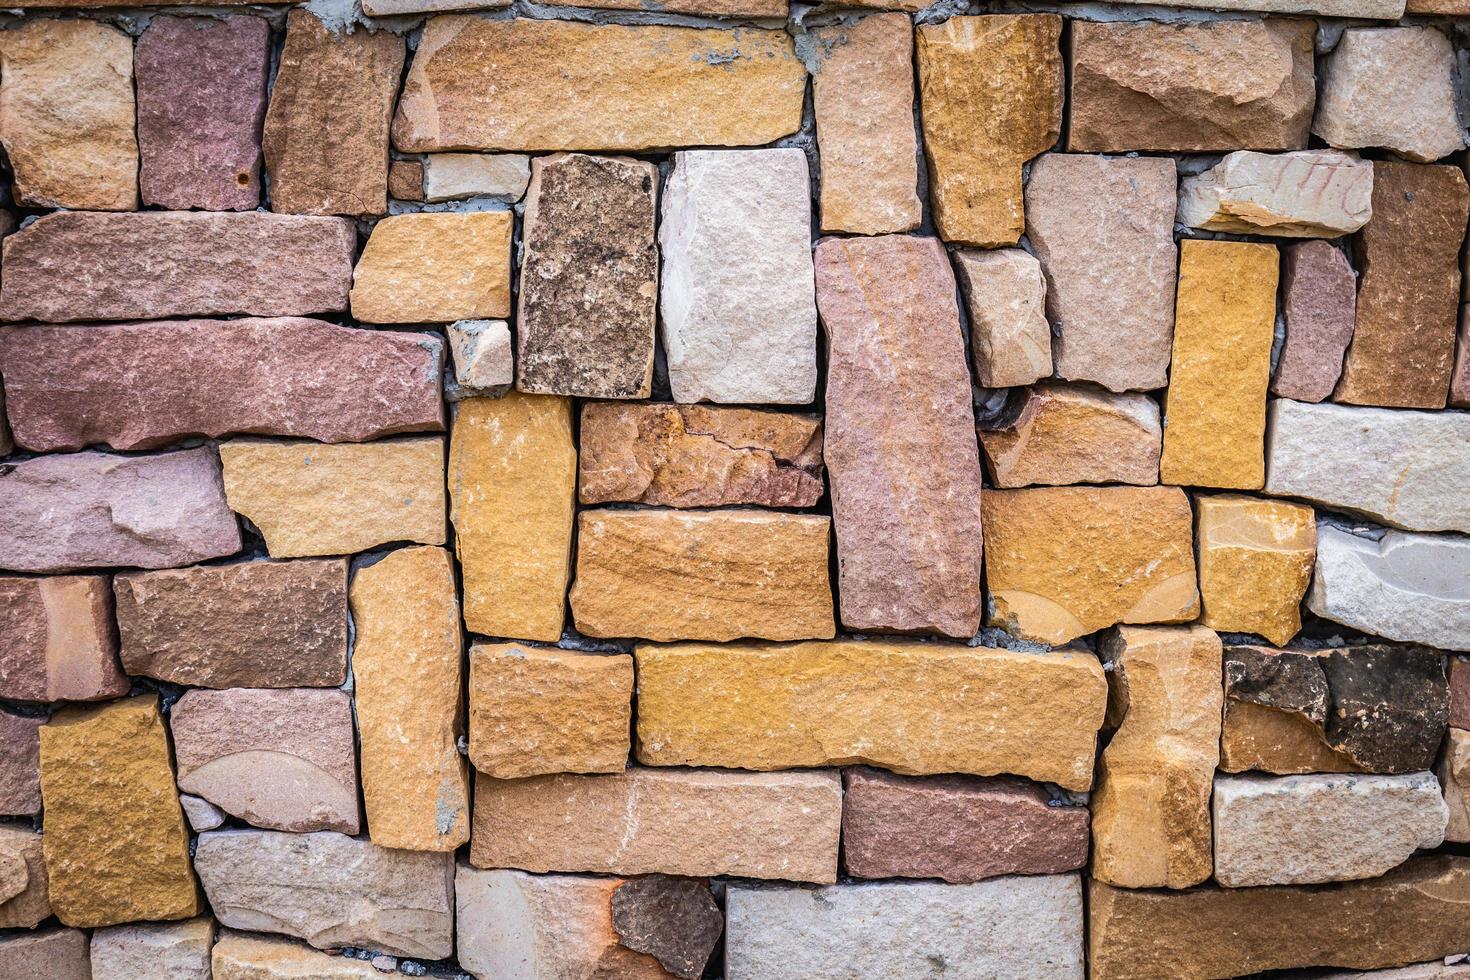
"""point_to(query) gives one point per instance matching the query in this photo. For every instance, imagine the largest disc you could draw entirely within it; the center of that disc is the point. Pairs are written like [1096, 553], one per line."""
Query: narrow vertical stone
[1005, 295]
[1320, 297]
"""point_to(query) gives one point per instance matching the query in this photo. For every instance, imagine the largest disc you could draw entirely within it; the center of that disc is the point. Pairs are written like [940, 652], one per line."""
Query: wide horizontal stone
[155, 264]
[694, 822]
[1005, 296]
[20, 764]
[330, 890]
[434, 268]
[1255, 561]
[57, 641]
[1306, 194]
[312, 499]
[450, 176]
[614, 87]
[1064, 434]
[94, 510]
[1379, 9]
[910, 707]
[55, 954]
[26, 900]
[1319, 305]
[154, 951]
[1454, 774]
[144, 385]
[243, 956]
[959, 828]
[704, 8]
[1009, 927]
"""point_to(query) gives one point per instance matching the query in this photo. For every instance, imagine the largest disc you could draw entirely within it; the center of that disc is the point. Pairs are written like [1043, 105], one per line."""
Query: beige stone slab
[434, 268]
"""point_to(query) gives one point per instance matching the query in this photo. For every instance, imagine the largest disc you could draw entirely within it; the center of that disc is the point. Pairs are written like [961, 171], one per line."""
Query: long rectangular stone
[1375, 9]
[153, 264]
[144, 385]
[911, 707]
[434, 267]
[612, 87]
[251, 956]
[56, 954]
[57, 641]
[694, 822]
[901, 448]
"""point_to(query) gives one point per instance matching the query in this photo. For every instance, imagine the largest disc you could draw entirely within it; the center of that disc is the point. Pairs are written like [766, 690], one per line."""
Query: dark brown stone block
[674, 920]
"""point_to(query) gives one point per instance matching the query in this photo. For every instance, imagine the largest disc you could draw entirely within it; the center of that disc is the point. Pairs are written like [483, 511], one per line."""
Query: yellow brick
[1255, 562]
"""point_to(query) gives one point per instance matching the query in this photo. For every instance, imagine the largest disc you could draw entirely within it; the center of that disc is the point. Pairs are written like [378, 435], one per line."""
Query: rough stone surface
[698, 456]
[201, 101]
[1414, 913]
[241, 956]
[116, 846]
[434, 268]
[145, 385]
[26, 899]
[707, 8]
[93, 510]
[330, 890]
[911, 707]
[1459, 678]
[991, 92]
[1306, 194]
[589, 278]
[1459, 380]
[1390, 705]
[1403, 348]
[1005, 296]
[326, 132]
[1065, 434]
[748, 337]
[278, 759]
[535, 711]
[406, 180]
[152, 951]
[1067, 561]
[1302, 830]
[512, 487]
[483, 363]
[1319, 304]
[312, 499]
[1454, 774]
[175, 263]
[1009, 927]
[20, 764]
[1384, 9]
[1255, 561]
[702, 575]
[958, 828]
[614, 88]
[1216, 85]
[201, 814]
[406, 691]
[863, 97]
[674, 920]
[51, 954]
[66, 115]
[1103, 230]
[901, 449]
[669, 821]
[1215, 406]
[57, 641]
[450, 176]
[251, 624]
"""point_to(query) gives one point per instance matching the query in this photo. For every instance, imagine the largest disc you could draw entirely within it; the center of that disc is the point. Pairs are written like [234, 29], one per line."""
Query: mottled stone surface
[695, 822]
[153, 951]
[252, 624]
[406, 180]
[26, 900]
[1215, 85]
[1306, 194]
[502, 176]
[1390, 705]
[434, 268]
[1319, 303]
[1454, 774]
[243, 956]
[51, 954]
[20, 764]
[1459, 380]
[1403, 348]
[201, 102]
[1255, 561]
[57, 641]
[739, 315]
[698, 456]
[175, 263]
[958, 828]
[145, 385]
[674, 920]
[589, 278]
[991, 94]
[901, 449]
[1459, 678]
[1385, 9]
[1064, 434]
[483, 363]
[1005, 296]
[92, 510]
[1103, 230]
[614, 87]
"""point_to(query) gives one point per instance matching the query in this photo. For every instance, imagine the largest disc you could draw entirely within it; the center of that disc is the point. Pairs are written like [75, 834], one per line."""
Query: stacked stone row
[456, 517]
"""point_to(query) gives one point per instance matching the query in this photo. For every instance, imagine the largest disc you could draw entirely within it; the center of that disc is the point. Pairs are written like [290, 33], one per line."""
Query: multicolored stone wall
[714, 488]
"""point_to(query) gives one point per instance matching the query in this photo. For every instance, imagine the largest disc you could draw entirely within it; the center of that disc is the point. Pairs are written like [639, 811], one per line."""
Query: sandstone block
[706, 8]
[589, 278]
[1067, 561]
[201, 814]
[1454, 774]
[153, 951]
[406, 180]
[698, 456]
[748, 337]
[201, 101]
[7, 444]
[899, 405]
[449, 176]
[693, 822]
[67, 115]
[330, 890]
[434, 268]
[1319, 304]
[393, 8]
[1459, 380]
[1306, 194]
[57, 641]
[1215, 85]
[20, 764]
[911, 707]
[863, 96]
[1070, 434]
[702, 575]
[175, 263]
[26, 900]
[93, 510]
[1384, 9]
[674, 920]
[1459, 678]
[614, 87]
[241, 956]
[1005, 296]
[1103, 230]
[512, 487]
[483, 364]
[106, 775]
[312, 499]
[991, 94]
[535, 710]
[52, 954]
[1255, 561]
[959, 828]
[145, 385]
[407, 681]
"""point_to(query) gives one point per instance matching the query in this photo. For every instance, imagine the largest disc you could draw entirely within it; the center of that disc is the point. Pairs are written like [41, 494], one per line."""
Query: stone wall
[708, 488]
